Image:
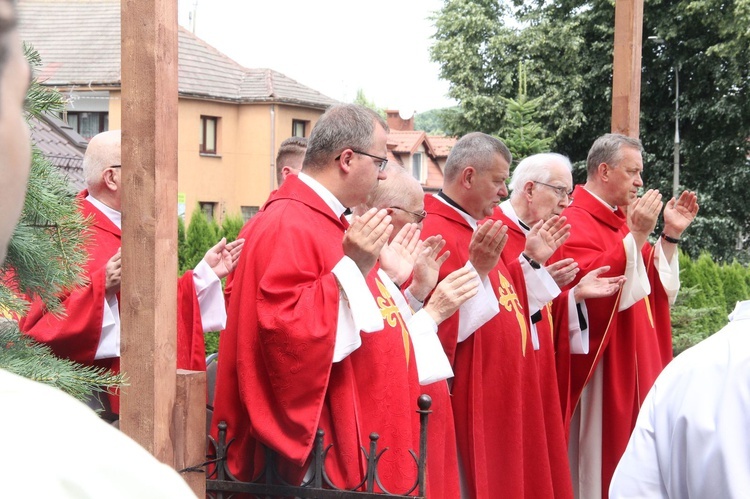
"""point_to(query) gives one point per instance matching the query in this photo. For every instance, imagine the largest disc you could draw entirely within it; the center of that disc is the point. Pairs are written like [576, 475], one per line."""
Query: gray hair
[344, 126]
[536, 168]
[102, 152]
[474, 149]
[606, 149]
[290, 148]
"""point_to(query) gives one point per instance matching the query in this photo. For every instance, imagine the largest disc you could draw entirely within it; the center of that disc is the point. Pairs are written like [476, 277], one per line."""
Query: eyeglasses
[116, 166]
[381, 165]
[418, 215]
[562, 192]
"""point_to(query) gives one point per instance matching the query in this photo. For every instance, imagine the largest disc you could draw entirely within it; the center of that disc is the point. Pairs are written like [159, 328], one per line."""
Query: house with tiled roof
[231, 119]
[61, 146]
[421, 154]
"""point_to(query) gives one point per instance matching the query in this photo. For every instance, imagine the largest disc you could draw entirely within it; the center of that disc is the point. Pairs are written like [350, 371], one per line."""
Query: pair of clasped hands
[366, 242]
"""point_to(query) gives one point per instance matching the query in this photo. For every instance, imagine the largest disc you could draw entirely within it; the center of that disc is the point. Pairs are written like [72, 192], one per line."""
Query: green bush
[708, 293]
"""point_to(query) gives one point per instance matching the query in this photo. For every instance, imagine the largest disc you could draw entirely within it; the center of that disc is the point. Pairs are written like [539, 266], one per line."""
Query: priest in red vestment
[630, 332]
[497, 401]
[89, 332]
[402, 196]
[314, 338]
[541, 187]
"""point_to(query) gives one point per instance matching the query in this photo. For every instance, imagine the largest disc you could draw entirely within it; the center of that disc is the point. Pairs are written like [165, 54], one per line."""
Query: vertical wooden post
[626, 78]
[149, 222]
[190, 427]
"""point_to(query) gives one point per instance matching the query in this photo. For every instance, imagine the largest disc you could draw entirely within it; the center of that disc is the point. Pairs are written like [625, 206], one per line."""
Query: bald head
[400, 193]
[101, 167]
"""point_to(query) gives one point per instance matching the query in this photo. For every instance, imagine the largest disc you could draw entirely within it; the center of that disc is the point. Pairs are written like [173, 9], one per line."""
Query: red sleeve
[191, 345]
[280, 333]
[76, 334]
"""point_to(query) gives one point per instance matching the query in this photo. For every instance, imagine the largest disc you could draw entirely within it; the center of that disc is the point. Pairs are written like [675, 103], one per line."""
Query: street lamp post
[676, 168]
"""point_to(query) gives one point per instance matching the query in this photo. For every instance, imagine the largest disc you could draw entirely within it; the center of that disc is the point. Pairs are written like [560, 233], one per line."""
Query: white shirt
[56, 447]
[692, 436]
[207, 288]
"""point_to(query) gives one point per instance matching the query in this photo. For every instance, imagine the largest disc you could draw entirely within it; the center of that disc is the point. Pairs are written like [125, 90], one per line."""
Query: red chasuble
[553, 353]
[277, 382]
[632, 345]
[76, 335]
[497, 403]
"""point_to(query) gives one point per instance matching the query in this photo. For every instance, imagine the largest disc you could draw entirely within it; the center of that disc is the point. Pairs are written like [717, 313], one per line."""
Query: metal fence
[221, 484]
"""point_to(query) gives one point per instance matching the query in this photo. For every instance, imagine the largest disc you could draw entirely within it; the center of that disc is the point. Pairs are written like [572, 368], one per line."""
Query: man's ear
[286, 171]
[528, 188]
[108, 176]
[603, 170]
[344, 160]
[468, 176]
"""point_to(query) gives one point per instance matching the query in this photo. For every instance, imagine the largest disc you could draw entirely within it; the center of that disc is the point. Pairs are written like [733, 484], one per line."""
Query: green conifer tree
[521, 133]
[45, 258]
[231, 227]
[201, 236]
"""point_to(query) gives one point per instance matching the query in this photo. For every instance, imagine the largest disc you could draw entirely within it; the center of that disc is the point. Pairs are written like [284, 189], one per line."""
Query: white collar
[612, 208]
[113, 215]
[327, 196]
[510, 212]
[469, 219]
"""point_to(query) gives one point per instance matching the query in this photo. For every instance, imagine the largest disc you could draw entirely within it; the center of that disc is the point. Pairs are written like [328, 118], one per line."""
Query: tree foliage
[521, 133]
[567, 48]
[362, 100]
[45, 258]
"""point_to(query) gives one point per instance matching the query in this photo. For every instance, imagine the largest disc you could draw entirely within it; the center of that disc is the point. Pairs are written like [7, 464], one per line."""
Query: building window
[248, 212]
[417, 167]
[209, 129]
[88, 124]
[208, 209]
[299, 128]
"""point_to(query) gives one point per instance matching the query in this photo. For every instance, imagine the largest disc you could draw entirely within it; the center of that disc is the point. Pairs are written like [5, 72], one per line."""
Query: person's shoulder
[73, 449]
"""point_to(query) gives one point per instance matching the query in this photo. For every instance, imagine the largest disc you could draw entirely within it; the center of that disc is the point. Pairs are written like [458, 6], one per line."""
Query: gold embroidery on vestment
[508, 299]
[389, 312]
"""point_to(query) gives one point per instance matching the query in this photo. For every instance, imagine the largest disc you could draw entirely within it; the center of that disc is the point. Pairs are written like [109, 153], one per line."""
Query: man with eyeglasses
[629, 332]
[401, 188]
[541, 187]
[314, 338]
[496, 400]
[89, 332]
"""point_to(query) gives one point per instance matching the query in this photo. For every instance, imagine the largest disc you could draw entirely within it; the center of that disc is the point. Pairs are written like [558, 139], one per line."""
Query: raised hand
[563, 272]
[366, 237]
[680, 213]
[113, 271]
[223, 257]
[485, 246]
[398, 256]
[451, 293]
[593, 286]
[642, 215]
[427, 267]
[545, 237]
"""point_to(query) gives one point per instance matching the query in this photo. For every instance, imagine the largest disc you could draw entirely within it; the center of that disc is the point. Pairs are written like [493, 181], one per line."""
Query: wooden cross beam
[165, 416]
[626, 78]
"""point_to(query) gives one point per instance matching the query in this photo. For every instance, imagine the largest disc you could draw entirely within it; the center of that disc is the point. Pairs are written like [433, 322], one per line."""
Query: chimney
[395, 122]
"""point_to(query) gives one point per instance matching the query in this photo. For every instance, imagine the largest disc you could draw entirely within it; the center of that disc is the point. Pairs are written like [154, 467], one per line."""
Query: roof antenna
[193, 15]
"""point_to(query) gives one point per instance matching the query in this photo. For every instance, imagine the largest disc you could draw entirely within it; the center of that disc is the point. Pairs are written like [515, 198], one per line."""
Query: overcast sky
[333, 46]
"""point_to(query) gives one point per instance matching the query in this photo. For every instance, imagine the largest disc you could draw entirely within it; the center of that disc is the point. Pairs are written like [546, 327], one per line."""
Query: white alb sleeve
[210, 298]
[109, 341]
[357, 309]
[636, 285]
[477, 310]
